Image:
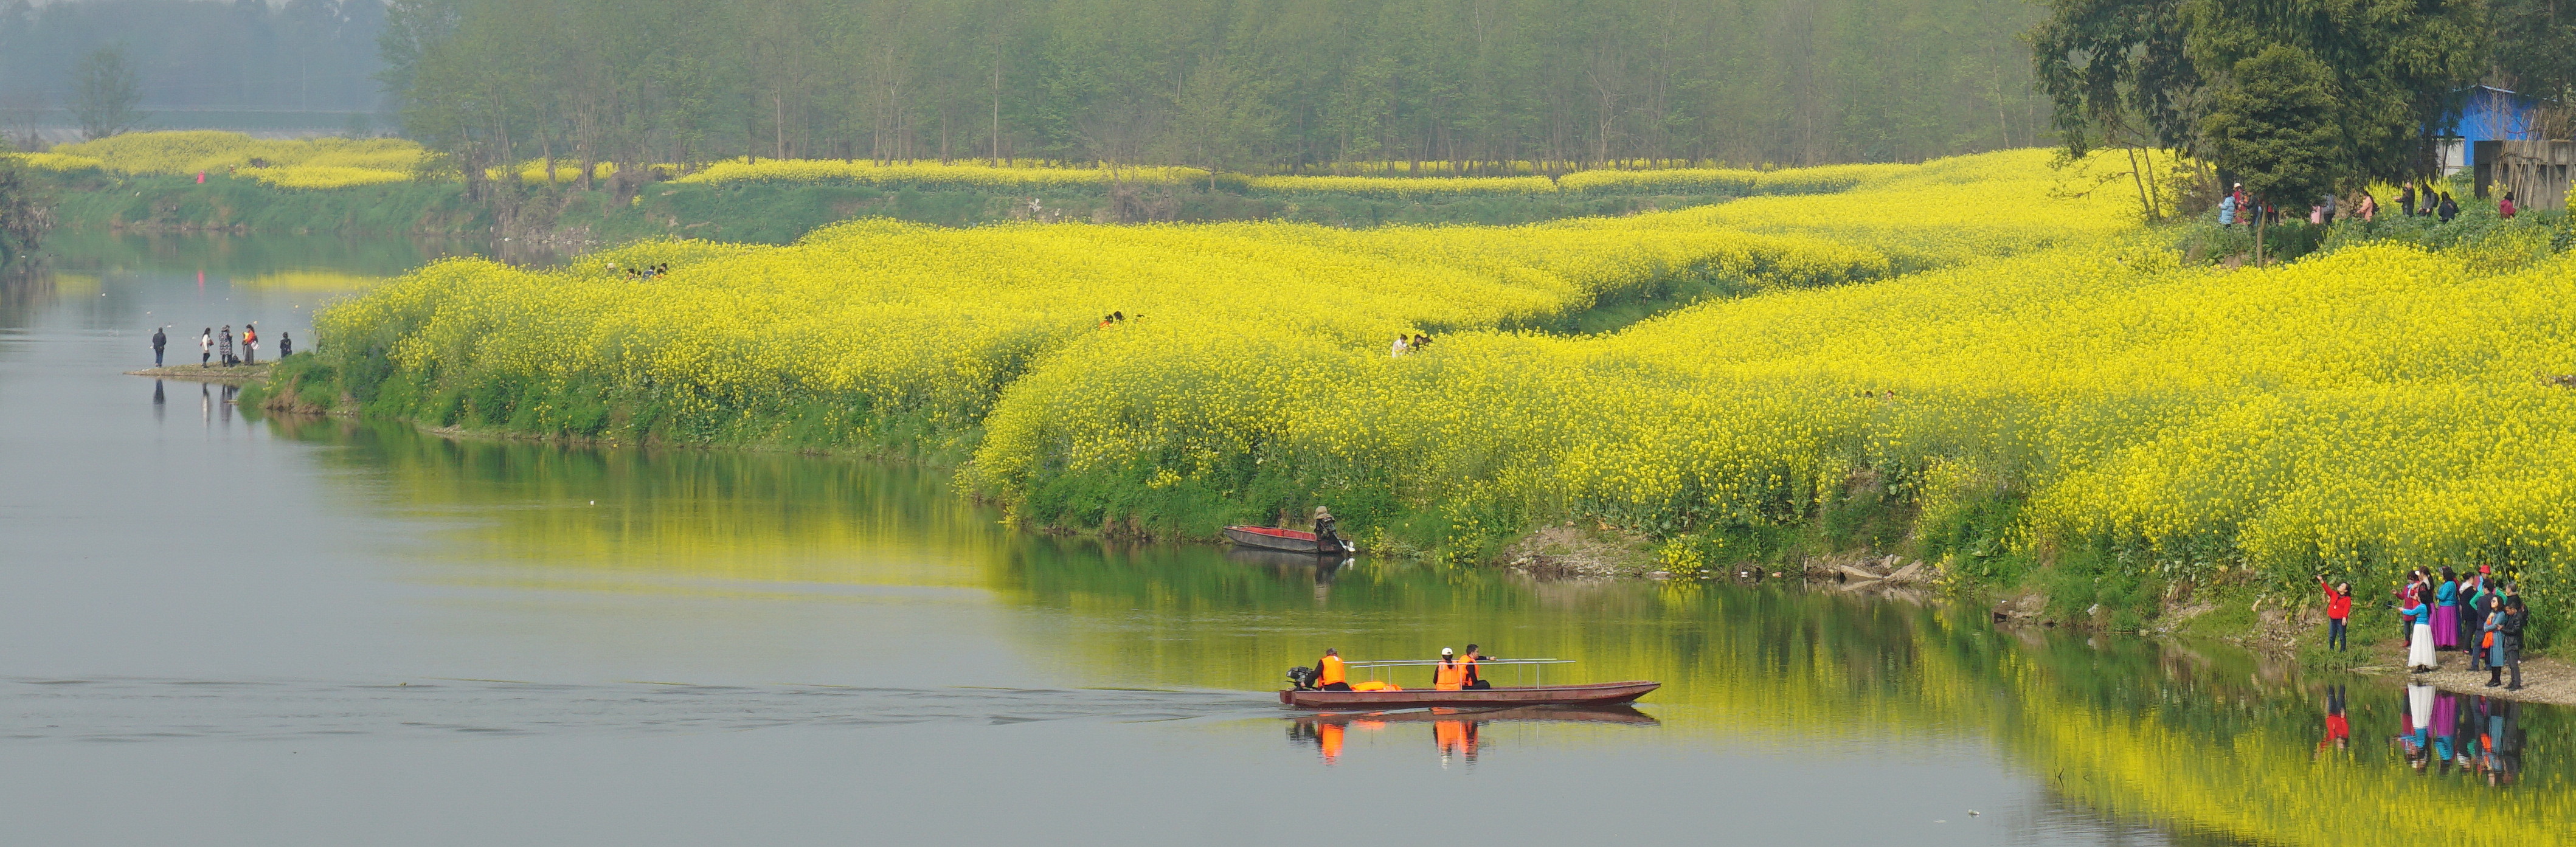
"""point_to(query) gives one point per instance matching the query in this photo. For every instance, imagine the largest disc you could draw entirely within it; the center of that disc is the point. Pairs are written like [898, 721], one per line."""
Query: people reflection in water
[1455, 738]
[2501, 760]
[2338, 728]
[2414, 729]
[160, 401]
[2441, 733]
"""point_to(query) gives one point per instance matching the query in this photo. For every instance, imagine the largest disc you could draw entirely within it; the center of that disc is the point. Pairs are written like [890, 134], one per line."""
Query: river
[223, 628]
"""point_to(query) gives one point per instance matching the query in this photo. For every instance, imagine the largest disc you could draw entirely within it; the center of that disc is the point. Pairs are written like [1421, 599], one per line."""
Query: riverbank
[226, 374]
[2545, 679]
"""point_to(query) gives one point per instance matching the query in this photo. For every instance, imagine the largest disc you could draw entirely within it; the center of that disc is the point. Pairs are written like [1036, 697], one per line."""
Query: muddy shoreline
[232, 375]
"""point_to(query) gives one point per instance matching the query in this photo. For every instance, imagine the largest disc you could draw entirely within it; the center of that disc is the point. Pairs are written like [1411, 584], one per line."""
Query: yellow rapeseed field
[301, 163]
[2368, 409]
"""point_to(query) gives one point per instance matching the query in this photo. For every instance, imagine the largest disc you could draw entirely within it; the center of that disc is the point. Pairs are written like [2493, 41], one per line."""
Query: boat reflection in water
[1286, 564]
[1456, 732]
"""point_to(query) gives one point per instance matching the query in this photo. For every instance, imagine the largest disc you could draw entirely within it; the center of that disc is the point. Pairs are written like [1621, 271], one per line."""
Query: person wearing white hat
[1449, 675]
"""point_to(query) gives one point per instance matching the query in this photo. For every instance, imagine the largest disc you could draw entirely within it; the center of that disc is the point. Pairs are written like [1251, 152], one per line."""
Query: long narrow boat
[1598, 694]
[1621, 714]
[1288, 540]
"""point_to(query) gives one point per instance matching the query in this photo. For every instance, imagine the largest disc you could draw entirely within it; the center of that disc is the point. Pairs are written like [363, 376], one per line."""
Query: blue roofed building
[2492, 115]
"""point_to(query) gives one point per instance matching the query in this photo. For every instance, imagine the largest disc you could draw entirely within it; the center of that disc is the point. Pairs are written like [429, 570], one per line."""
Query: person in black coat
[2515, 617]
[159, 342]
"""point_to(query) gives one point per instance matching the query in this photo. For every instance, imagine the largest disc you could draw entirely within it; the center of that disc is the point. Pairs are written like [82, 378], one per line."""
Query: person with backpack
[159, 341]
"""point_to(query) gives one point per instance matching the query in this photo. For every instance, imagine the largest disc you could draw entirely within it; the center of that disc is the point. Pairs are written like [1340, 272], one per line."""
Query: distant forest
[301, 55]
[1238, 85]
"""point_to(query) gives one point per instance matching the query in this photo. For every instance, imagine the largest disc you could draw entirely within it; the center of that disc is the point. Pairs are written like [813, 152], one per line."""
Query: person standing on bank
[224, 345]
[2446, 611]
[206, 347]
[2419, 640]
[250, 344]
[285, 345]
[2338, 613]
[159, 341]
[2490, 643]
[2509, 637]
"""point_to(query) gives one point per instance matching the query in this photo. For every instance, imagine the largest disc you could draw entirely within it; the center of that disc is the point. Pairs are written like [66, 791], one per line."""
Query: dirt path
[216, 373]
[2544, 680]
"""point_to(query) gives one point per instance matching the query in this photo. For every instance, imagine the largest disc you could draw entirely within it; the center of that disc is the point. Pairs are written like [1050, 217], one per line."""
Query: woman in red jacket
[2338, 612]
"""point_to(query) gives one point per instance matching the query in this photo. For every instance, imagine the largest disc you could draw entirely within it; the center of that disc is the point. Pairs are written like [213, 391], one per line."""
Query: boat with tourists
[1286, 540]
[1378, 694]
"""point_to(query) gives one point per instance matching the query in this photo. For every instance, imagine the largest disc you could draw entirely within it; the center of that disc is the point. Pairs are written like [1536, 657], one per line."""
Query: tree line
[2296, 99]
[1233, 85]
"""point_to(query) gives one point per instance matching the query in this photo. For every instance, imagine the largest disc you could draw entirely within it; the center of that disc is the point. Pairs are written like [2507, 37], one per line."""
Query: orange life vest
[1450, 676]
[1329, 671]
[1469, 676]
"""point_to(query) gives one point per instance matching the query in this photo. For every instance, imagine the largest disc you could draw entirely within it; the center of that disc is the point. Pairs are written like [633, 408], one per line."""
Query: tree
[2273, 120]
[22, 213]
[105, 90]
[2116, 76]
[2535, 53]
[2398, 70]
[1221, 121]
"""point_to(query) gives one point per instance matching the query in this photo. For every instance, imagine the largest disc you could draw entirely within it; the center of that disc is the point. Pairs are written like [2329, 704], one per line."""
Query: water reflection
[2443, 732]
[2193, 738]
[1457, 734]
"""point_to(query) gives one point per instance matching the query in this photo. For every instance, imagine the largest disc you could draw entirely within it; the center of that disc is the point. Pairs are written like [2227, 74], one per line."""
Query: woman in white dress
[2419, 644]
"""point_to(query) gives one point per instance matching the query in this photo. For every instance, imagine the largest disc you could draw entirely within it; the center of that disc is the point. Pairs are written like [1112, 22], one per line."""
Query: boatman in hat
[1325, 540]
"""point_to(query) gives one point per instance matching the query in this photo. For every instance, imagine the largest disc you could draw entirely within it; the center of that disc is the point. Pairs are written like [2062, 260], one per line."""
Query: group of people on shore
[1453, 672]
[2480, 614]
[2236, 207]
[213, 343]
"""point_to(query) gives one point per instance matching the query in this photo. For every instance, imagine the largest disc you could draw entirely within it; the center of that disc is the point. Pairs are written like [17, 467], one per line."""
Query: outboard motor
[1302, 678]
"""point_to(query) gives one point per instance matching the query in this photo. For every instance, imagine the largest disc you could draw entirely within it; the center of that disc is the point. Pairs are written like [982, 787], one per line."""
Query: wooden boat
[1597, 694]
[1287, 540]
[1621, 714]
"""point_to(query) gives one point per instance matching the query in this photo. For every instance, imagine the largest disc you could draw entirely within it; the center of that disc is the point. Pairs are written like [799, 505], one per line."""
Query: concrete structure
[2537, 172]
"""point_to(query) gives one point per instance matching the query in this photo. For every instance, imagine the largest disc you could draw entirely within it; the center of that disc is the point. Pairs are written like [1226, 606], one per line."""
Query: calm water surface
[222, 629]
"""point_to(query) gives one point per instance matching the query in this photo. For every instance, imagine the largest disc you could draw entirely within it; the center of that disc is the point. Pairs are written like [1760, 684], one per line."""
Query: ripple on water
[144, 710]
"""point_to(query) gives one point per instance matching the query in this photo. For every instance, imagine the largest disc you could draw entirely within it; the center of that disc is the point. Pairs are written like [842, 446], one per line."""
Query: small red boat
[1599, 694]
[1287, 540]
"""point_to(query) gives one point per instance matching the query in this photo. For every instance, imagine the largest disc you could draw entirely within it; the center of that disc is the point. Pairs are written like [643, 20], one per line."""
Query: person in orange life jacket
[1448, 675]
[1473, 679]
[1329, 675]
